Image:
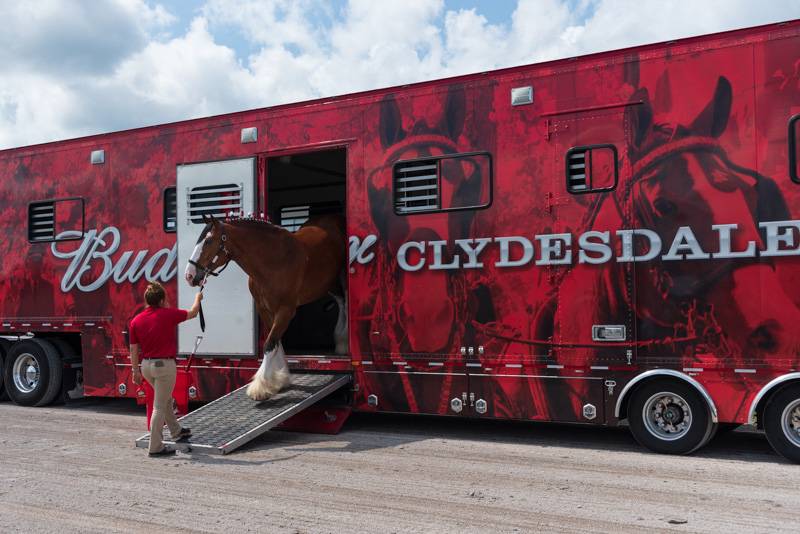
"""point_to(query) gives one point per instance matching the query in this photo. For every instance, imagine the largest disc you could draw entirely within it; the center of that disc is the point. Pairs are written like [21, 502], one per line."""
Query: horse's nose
[766, 336]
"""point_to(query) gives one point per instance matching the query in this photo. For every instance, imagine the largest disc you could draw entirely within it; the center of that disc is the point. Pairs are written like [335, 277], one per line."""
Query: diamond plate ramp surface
[231, 421]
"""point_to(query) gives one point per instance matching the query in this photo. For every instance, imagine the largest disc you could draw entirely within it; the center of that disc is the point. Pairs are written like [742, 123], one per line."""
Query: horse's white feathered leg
[340, 330]
[272, 375]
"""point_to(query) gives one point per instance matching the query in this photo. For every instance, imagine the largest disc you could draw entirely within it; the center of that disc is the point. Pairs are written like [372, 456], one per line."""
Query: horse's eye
[664, 207]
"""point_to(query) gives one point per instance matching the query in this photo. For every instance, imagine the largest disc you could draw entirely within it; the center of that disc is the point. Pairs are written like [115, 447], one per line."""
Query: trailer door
[589, 203]
[216, 189]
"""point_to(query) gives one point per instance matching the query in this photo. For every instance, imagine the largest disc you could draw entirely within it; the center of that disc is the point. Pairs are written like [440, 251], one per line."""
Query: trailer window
[55, 220]
[215, 200]
[170, 209]
[293, 217]
[794, 148]
[591, 169]
[444, 183]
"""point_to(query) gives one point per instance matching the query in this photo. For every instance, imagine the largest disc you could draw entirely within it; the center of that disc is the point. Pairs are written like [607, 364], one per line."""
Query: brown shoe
[183, 434]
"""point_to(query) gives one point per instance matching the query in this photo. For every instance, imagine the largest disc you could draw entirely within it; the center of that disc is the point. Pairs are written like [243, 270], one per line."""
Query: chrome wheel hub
[790, 421]
[26, 373]
[667, 416]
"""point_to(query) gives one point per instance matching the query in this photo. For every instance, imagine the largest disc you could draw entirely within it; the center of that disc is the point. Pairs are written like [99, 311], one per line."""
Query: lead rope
[202, 328]
[202, 317]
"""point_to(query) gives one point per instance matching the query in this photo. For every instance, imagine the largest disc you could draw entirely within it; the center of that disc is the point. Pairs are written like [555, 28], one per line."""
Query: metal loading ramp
[229, 422]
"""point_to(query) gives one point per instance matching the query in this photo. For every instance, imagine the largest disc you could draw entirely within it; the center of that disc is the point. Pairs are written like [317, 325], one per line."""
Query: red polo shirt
[154, 330]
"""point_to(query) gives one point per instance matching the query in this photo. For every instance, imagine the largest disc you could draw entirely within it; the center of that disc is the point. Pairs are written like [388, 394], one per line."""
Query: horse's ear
[663, 99]
[452, 123]
[713, 120]
[391, 124]
[639, 116]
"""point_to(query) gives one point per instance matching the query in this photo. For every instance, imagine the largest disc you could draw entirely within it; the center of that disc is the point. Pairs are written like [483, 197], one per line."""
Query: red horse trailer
[586, 240]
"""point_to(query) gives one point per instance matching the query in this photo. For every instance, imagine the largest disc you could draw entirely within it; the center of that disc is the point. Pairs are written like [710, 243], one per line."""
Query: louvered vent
[42, 221]
[416, 186]
[293, 217]
[214, 200]
[170, 209]
[576, 171]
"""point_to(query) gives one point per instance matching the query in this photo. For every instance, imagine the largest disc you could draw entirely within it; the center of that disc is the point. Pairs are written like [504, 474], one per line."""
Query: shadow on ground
[366, 431]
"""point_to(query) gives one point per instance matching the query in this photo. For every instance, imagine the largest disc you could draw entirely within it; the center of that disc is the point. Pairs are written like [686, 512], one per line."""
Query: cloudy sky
[79, 67]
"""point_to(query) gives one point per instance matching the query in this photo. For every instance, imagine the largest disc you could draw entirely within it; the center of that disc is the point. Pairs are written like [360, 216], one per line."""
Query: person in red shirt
[154, 333]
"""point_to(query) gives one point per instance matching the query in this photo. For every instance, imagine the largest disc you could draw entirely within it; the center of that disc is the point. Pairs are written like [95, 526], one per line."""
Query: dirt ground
[74, 468]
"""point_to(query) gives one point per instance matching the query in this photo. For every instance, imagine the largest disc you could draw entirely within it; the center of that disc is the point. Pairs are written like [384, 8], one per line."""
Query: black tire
[69, 377]
[687, 422]
[33, 391]
[727, 428]
[780, 412]
[4, 346]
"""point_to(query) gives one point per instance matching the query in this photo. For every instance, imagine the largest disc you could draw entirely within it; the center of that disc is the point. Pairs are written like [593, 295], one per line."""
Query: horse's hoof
[258, 392]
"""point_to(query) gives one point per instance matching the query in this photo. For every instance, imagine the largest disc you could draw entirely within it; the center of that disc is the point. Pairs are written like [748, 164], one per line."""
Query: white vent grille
[293, 217]
[215, 200]
[42, 221]
[416, 186]
[576, 171]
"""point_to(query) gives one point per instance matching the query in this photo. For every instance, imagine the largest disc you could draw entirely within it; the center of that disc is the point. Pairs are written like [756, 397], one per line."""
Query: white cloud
[75, 68]
[66, 39]
[270, 23]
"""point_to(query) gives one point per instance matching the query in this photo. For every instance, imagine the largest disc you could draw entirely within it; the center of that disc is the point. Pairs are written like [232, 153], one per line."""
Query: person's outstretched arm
[195, 309]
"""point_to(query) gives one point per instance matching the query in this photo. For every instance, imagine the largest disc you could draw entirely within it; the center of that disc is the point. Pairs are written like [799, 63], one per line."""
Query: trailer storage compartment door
[215, 189]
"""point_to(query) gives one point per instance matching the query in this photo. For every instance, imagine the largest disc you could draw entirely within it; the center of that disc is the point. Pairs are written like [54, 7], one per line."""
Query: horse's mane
[253, 222]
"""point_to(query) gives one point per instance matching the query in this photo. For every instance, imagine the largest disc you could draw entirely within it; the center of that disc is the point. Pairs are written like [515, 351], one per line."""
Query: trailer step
[229, 422]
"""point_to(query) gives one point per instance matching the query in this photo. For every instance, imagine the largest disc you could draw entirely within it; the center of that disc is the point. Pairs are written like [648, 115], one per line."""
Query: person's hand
[199, 296]
[137, 376]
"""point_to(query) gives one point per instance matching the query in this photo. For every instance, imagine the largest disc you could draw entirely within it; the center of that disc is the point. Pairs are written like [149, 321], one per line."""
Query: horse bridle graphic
[647, 213]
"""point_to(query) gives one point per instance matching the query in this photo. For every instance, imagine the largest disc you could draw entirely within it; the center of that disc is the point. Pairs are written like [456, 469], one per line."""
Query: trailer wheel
[4, 345]
[670, 417]
[33, 372]
[782, 422]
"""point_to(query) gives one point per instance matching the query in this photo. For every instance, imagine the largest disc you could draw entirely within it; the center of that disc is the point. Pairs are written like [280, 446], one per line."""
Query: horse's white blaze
[271, 377]
[340, 330]
[190, 269]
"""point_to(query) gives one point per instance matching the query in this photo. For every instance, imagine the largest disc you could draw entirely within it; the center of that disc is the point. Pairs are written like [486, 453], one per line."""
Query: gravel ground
[75, 469]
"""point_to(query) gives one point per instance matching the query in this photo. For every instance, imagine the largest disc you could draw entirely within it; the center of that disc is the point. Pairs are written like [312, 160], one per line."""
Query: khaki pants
[161, 375]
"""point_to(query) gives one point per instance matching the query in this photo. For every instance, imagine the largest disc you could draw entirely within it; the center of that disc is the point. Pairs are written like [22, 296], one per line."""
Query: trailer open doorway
[300, 186]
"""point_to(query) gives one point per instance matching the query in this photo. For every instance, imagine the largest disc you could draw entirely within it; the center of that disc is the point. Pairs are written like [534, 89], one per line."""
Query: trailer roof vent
[576, 171]
[521, 95]
[214, 200]
[416, 185]
[98, 157]
[249, 135]
[42, 221]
